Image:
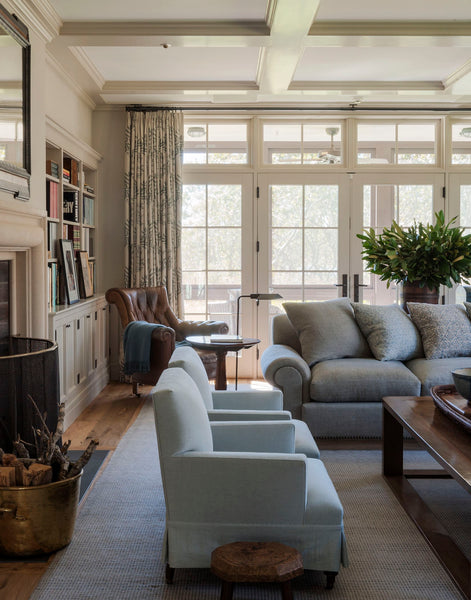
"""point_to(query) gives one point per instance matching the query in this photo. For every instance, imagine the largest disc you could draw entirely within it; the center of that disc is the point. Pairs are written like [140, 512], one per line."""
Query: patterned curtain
[153, 194]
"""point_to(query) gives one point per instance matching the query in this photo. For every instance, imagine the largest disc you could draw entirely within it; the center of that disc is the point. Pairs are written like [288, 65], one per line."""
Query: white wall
[65, 104]
[108, 139]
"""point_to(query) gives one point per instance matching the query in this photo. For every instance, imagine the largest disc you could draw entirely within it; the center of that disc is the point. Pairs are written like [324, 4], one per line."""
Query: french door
[218, 255]
[377, 200]
[297, 236]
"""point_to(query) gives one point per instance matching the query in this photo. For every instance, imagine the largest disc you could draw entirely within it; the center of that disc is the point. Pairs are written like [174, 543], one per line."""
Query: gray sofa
[334, 361]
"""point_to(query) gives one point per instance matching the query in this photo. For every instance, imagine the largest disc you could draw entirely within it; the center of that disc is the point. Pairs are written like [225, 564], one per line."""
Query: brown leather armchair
[151, 305]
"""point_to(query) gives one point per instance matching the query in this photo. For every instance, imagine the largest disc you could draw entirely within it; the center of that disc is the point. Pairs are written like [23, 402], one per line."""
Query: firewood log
[82, 461]
[37, 474]
[7, 476]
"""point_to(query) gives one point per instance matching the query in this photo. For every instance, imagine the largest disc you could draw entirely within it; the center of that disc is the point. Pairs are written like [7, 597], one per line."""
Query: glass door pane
[304, 240]
[377, 202]
[459, 202]
[217, 242]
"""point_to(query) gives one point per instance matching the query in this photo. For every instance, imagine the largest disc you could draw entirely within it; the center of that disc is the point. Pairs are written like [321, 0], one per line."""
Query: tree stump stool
[244, 562]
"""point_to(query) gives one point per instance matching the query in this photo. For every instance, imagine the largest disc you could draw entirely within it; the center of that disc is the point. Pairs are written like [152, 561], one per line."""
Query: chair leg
[135, 388]
[169, 573]
[286, 592]
[227, 590]
[331, 575]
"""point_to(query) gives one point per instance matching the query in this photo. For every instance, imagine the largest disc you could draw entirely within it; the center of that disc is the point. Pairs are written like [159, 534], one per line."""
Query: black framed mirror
[15, 98]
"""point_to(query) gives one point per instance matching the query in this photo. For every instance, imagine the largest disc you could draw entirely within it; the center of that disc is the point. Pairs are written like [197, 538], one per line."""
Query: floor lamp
[256, 297]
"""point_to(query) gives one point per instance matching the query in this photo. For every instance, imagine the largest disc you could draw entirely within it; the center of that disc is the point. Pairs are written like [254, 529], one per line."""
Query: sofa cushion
[389, 331]
[445, 329]
[436, 371]
[327, 330]
[361, 380]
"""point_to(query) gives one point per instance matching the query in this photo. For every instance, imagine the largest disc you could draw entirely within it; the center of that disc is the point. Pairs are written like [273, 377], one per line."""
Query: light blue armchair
[215, 494]
[241, 405]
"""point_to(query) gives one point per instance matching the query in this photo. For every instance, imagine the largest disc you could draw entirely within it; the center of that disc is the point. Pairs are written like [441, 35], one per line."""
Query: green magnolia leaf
[432, 255]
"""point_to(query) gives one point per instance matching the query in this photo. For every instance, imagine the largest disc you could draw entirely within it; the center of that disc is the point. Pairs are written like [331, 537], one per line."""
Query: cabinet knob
[68, 325]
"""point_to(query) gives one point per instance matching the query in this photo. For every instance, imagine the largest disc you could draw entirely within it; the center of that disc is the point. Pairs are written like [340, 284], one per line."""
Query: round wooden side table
[221, 349]
[244, 562]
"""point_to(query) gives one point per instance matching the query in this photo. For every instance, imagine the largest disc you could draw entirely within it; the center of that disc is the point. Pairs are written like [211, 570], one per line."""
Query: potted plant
[421, 257]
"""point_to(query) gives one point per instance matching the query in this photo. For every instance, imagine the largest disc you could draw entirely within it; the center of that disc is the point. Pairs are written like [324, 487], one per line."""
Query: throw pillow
[327, 330]
[389, 331]
[445, 329]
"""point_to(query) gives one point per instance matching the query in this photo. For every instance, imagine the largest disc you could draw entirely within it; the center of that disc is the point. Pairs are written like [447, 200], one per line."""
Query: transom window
[215, 143]
[397, 143]
[309, 143]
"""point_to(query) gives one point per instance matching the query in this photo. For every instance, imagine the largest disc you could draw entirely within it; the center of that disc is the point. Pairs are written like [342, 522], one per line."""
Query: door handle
[356, 287]
[343, 285]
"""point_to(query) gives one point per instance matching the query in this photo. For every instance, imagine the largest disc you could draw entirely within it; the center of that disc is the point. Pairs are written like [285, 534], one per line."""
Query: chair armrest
[186, 328]
[237, 487]
[248, 415]
[284, 368]
[253, 436]
[248, 399]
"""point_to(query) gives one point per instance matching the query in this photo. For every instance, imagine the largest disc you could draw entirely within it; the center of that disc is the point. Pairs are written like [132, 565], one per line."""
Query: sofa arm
[284, 368]
[186, 328]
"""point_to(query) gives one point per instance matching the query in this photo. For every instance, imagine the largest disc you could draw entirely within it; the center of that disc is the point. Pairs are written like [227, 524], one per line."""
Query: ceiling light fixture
[466, 132]
[332, 155]
[196, 131]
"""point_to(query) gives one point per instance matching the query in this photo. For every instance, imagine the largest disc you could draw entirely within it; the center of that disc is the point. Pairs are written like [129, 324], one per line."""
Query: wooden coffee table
[450, 446]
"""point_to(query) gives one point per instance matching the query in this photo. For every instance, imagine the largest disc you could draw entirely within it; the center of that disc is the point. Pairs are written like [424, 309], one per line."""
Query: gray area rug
[115, 551]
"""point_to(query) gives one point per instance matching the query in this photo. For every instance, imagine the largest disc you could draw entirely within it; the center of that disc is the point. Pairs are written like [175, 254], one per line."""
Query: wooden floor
[107, 418]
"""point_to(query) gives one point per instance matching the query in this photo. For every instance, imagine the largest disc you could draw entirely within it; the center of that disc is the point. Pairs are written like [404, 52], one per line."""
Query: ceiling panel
[399, 10]
[165, 10]
[175, 63]
[380, 64]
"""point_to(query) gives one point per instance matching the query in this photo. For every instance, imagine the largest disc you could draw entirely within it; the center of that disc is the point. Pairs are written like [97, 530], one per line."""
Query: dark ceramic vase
[412, 292]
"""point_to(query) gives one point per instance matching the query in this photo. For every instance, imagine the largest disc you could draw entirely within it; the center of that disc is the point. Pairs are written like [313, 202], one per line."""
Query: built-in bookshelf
[71, 215]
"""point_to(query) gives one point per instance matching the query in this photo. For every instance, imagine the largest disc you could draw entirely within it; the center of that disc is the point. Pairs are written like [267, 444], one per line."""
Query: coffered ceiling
[267, 52]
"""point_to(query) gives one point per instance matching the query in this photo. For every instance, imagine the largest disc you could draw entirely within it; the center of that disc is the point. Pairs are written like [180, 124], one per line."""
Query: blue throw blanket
[136, 344]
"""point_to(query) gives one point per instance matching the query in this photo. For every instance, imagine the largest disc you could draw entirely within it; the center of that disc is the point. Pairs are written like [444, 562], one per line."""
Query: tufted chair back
[144, 304]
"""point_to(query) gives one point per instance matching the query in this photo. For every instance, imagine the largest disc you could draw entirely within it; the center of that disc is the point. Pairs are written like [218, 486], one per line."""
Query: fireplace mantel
[22, 241]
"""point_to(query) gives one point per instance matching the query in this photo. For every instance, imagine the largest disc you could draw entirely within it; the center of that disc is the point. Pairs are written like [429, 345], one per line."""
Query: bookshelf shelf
[71, 207]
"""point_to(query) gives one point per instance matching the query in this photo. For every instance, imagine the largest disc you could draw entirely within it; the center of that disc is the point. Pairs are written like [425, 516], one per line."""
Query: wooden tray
[452, 404]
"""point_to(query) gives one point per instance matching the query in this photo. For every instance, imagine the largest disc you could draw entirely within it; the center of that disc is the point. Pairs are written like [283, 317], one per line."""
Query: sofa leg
[169, 573]
[331, 575]
[135, 388]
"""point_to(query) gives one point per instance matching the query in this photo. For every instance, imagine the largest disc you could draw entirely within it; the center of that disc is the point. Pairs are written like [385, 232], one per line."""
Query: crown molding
[38, 15]
[88, 66]
[458, 75]
[64, 75]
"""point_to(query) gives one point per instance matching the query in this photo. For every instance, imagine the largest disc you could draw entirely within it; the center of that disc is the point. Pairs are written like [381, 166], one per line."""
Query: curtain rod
[140, 108]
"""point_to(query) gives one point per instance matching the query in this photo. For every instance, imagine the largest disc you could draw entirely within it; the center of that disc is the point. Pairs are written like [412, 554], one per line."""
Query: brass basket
[38, 519]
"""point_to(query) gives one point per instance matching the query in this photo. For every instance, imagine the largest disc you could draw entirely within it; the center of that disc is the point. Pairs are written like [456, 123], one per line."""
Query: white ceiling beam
[394, 28]
[367, 85]
[142, 33]
[290, 24]
[149, 87]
